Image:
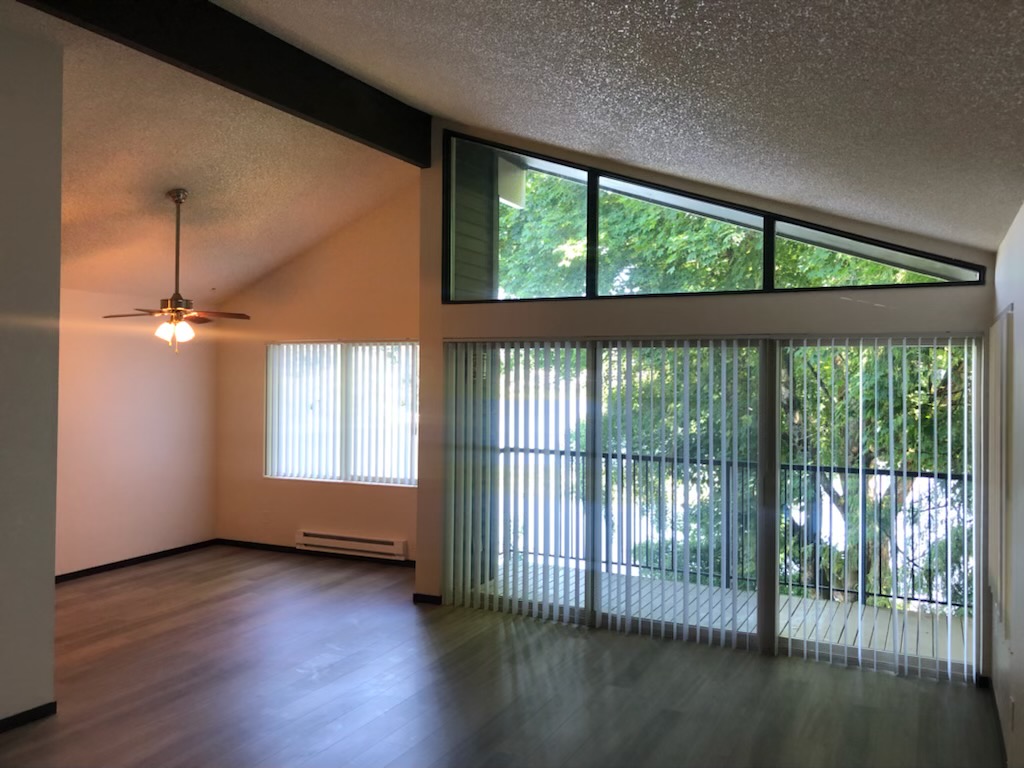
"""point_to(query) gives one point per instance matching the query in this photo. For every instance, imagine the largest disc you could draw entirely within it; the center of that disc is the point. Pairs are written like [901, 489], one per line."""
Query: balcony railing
[826, 514]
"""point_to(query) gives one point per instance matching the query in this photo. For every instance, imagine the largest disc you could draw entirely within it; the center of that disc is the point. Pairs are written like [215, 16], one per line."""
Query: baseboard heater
[319, 541]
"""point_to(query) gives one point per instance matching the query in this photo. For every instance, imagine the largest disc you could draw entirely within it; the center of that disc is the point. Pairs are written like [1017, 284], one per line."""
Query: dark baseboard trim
[984, 681]
[420, 599]
[28, 716]
[132, 561]
[297, 551]
[226, 542]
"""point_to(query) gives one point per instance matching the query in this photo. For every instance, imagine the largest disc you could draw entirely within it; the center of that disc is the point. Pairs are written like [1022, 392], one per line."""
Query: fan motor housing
[175, 302]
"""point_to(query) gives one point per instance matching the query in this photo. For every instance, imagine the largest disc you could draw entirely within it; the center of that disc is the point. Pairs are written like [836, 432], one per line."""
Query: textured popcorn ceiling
[264, 185]
[908, 115]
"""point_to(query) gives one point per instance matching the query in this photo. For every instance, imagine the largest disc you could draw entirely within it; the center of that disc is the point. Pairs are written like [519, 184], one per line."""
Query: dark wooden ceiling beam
[206, 40]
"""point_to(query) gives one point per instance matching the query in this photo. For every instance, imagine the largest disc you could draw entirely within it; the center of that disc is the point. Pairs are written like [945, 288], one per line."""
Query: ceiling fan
[177, 312]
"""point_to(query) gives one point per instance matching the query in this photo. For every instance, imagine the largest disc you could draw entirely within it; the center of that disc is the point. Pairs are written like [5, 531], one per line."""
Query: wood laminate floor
[233, 657]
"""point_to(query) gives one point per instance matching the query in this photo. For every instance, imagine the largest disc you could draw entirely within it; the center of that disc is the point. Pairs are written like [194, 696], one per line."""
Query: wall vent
[319, 541]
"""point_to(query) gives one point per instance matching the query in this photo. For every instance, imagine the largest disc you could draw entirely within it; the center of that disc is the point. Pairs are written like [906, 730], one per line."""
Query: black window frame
[769, 218]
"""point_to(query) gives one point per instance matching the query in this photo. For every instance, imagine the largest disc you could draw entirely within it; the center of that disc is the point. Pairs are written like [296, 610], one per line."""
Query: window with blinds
[878, 497]
[608, 482]
[644, 486]
[516, 476]
[678, 528]
[342, 411]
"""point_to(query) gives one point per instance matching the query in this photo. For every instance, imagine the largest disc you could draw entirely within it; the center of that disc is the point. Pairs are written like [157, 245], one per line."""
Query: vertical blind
[617, 483]
[679, 469]
[665, 543]
[342, 411]
[516, 473]
[878, 502]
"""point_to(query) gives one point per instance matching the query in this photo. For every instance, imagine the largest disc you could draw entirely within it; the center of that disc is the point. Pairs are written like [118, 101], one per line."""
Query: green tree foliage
[839, 405]
[542, 248]
[801, 265]
[649, 248]
[888, 429]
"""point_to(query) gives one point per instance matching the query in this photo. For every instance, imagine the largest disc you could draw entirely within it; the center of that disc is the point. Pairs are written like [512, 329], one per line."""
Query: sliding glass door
[516, 477]
[616, 483]
[877, 503]
[678, 506]
[646, 523]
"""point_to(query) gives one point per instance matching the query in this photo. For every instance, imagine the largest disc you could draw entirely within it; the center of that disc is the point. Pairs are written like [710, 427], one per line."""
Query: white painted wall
[1008, 655]
[358, 285]
[135, 440]
[882, 311]
[30, 152]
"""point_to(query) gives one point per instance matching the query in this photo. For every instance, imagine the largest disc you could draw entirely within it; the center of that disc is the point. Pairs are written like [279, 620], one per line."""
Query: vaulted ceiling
[907, 115]
[264, 185]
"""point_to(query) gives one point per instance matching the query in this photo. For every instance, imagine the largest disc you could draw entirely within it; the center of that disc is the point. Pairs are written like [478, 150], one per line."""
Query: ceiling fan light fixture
[175, 329]
[165, 331]
[183, 331]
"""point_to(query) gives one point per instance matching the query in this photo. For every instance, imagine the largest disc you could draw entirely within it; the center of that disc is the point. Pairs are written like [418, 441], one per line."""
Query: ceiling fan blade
[197, 320]
[150, 311]
[141, 314]
[228, 315]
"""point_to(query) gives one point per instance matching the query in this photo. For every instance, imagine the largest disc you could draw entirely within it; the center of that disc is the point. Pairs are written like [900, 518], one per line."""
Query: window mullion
[768, 499]
[768, 249]
[593, 230]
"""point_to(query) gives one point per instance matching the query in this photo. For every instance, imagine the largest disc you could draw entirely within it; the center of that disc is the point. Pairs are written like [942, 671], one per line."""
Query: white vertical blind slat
[817, 512]
[893, 548]
[698, 385]
[580, 477]
[949, 491]
[451, 470]
[629, 485]
[544, 456]
[734, 495]
[686, 493]
[477, 511]
[462, 485]
[662, 511]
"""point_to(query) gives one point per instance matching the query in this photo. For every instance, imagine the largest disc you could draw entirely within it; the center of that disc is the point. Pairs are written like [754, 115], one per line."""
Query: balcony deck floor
[825, 627]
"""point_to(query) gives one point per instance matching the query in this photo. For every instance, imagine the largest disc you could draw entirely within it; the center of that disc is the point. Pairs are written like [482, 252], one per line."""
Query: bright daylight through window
[337, 411]
[525, 227]
[620, 479]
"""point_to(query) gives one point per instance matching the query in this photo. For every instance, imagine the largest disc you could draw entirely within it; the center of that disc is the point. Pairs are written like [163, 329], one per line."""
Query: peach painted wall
[135, 438]
[361, 284]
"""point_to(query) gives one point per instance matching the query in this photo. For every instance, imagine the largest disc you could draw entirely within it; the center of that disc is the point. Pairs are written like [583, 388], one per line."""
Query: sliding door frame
[768, 451]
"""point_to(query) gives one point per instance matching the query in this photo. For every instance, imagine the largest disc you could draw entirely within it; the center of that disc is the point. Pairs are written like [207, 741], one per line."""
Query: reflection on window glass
[518, 226]
[810, 258]
[801, 265]
[657, 242]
